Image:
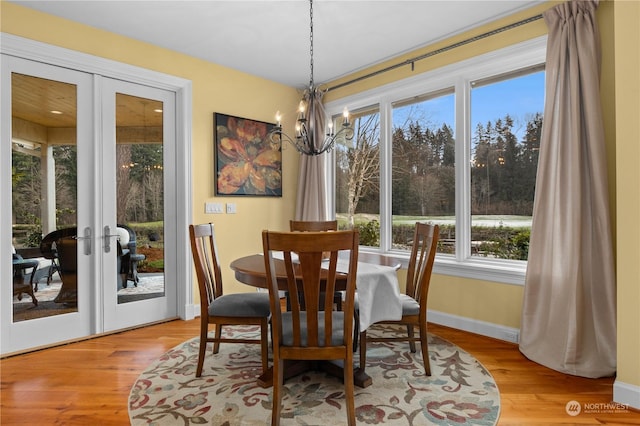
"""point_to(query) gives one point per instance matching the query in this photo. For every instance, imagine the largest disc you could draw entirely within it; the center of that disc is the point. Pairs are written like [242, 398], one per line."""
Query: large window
[456, 146]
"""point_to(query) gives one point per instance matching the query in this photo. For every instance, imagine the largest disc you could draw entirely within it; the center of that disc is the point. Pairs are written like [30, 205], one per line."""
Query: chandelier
[309, 140]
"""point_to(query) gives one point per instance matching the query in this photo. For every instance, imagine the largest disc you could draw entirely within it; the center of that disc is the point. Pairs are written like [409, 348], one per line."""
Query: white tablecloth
[378, 293]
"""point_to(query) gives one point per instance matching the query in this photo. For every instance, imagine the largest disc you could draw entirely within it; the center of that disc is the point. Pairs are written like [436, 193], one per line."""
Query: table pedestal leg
[293, 368]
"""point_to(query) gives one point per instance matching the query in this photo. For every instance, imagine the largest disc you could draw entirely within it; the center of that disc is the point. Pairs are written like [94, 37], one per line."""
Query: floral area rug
[460, 391]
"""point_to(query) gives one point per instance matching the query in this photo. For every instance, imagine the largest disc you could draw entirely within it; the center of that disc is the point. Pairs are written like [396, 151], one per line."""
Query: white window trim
[458, 76]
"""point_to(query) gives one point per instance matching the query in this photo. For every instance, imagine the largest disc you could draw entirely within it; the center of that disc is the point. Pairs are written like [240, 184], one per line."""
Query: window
[423, 168]
[457, 146]
[358, 177]
[506, 118]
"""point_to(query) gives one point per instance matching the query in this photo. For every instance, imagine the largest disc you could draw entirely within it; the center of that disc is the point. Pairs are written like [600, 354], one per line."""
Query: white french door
[47, 116]
[64, 137]
[138, 128]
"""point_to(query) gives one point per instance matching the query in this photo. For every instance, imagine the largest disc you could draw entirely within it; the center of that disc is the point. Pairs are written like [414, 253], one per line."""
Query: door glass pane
[139, 198]
[358, 177]
[506, 115]
[423, 168]
[44, 197]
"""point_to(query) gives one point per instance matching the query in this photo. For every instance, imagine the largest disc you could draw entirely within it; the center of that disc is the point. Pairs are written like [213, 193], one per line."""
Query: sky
[488, 103]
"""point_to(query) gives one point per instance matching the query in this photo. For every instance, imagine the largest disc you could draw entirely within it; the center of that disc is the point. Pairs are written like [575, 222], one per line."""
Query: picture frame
[247, 161]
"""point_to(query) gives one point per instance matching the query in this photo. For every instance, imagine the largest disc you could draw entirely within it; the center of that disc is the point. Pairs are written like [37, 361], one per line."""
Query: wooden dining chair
[318, 226]
[414, 301]
[223, 309]
[312, 331]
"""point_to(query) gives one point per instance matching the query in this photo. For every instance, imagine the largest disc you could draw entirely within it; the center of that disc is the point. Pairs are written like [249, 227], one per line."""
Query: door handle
[107, 238]
[86, 237]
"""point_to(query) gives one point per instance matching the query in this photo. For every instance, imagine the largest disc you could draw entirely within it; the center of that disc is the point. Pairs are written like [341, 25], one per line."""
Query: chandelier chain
[311, 42]
[310, 117]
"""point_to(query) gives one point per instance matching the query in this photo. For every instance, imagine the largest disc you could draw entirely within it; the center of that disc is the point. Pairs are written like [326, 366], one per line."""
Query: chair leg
[337, 299]
[363, 350]
[411, 334]
[425, 349]
[218, 335]
[201, 350]
[278, 380]
[349, 392]
[356, 330]
[264, 344]
[53, 268]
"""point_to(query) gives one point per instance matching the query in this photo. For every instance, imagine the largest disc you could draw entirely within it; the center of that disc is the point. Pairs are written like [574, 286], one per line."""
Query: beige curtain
[311, 199]
[569, 312]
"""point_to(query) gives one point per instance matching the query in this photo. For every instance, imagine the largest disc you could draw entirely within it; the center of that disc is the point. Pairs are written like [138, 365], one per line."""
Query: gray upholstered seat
[410, 306]
[241, 305]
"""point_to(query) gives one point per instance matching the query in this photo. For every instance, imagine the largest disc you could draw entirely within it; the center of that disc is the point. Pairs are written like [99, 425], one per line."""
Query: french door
[90, 158]
[138, 127]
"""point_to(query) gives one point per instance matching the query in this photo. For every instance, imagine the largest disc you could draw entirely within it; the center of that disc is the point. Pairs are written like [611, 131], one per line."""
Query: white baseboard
[624, 393]
[488, 329]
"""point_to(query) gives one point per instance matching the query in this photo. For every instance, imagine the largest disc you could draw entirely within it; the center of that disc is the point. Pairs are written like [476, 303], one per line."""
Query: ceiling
[270, 38]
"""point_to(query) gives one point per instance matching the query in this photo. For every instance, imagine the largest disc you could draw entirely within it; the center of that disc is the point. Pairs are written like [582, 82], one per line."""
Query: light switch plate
[213, 208]
[231, 208]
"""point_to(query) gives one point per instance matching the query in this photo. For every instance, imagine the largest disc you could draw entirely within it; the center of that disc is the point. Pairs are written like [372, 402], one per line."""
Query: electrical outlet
[231, 208]
[213, 208]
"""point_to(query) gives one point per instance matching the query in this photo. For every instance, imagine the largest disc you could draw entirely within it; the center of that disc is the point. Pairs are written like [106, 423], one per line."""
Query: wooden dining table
[378, 271]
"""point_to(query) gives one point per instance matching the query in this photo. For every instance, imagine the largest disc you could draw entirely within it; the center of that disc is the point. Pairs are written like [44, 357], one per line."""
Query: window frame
[459, 77]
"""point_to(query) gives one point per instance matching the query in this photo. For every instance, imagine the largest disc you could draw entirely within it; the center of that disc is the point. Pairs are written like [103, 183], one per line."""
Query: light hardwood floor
[88, 383]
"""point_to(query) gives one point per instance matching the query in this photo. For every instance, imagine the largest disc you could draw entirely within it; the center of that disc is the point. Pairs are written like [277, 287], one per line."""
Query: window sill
[500, 271]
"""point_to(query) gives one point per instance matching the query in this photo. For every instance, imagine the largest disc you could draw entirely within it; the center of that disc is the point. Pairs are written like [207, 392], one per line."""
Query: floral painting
[248, 162]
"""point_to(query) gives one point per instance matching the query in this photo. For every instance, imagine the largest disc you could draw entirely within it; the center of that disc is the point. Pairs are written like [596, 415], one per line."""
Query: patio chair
[130, 256]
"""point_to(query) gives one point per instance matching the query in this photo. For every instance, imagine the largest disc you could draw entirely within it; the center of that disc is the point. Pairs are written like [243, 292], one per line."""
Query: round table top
[250, 270]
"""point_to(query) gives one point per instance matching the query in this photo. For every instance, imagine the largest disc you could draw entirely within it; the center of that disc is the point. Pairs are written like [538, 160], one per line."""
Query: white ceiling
[270, 38]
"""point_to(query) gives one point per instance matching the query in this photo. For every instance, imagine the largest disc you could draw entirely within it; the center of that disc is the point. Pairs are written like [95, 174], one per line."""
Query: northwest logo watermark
[574, 408]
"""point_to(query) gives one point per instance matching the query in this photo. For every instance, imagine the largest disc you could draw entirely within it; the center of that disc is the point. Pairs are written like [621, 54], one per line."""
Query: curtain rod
[435, 52]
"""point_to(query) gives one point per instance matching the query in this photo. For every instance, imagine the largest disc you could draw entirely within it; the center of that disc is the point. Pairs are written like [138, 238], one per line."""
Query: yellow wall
[215, 89]
[627, 132]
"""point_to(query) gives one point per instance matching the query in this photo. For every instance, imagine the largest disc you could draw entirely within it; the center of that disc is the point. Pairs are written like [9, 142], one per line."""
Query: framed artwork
[247, 161]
